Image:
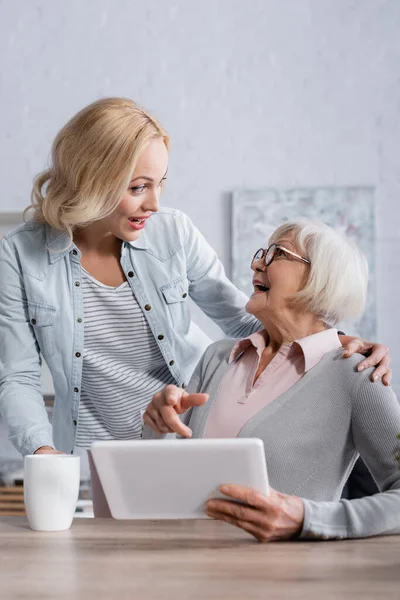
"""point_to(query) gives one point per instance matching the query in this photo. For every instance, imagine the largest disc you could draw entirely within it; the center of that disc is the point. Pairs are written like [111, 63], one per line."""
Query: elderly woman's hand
[162, 412]
[274, 517]
[378, 356]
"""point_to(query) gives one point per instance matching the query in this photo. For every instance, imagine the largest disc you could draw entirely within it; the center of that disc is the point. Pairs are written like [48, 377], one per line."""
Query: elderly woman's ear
[378, 356]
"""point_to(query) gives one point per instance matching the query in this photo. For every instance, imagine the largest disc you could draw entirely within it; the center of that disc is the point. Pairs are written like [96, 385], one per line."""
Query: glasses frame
[276, 247]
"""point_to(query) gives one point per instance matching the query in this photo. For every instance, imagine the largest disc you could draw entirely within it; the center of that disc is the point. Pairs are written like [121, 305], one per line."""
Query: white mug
[51, 489]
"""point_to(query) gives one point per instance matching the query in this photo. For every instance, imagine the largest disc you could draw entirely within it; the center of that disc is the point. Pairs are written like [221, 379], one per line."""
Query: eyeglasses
[273, 251]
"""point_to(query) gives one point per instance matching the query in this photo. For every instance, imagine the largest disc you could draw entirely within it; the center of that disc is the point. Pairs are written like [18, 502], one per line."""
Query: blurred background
[254, 94]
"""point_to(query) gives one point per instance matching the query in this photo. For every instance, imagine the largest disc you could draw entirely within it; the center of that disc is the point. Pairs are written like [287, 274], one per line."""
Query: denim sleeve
[210, 288]
[21, 401]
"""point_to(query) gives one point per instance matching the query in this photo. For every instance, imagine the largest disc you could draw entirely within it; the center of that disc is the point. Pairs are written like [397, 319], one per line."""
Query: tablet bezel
[158, 486]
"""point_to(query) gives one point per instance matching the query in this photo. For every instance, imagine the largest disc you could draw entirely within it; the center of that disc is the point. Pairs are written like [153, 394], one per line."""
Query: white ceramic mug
[51, 489]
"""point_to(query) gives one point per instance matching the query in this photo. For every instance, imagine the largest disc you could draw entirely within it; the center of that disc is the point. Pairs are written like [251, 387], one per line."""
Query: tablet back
[172, 479]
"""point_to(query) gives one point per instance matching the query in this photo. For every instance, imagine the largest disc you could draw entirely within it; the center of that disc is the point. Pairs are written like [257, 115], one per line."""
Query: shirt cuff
[316, 524]
[31, 444]
[149, 434]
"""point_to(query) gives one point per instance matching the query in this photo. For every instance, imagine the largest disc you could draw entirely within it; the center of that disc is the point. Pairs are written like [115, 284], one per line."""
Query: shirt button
[33, 321]
[131, 274]
[77, 354]
[79, 320]
[161, 337]
[184, 295]
[147, 307]
[75, 423]
[76, 390]
[74, 252]
[171, 362]
[77, 283]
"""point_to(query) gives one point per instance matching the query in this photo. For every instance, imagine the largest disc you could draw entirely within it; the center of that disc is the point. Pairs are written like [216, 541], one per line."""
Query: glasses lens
[258, 254]
[270, 254]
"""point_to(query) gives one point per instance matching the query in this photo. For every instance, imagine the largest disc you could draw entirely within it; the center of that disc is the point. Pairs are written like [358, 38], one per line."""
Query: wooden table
[103, 558]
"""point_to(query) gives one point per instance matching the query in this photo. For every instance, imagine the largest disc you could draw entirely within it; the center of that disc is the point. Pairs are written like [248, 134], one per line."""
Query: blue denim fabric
[41, 313]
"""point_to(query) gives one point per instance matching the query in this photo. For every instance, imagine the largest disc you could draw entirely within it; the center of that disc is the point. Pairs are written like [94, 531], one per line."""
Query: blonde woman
[98, 282]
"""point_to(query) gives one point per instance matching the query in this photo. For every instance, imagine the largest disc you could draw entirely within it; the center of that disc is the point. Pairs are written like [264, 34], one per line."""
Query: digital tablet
[173, 479]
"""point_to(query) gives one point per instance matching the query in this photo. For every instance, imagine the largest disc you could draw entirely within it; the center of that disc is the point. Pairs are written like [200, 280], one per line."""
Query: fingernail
[374, 377]
[360, 368]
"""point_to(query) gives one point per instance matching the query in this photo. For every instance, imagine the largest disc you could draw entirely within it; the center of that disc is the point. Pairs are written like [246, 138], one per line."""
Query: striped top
[122, 364]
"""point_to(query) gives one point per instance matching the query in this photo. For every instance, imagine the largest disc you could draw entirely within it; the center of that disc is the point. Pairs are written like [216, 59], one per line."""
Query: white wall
[253, 93]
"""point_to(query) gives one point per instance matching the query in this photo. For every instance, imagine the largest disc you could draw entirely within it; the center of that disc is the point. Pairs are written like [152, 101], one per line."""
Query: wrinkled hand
[378, 356]
[162, 412]
[47, 450]
[274, 517]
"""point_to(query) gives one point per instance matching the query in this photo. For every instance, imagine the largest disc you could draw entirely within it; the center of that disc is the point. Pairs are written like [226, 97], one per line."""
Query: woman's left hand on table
[274, 517]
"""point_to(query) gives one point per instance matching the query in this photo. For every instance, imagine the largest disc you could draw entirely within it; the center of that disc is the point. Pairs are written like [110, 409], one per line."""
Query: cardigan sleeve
[375, 429]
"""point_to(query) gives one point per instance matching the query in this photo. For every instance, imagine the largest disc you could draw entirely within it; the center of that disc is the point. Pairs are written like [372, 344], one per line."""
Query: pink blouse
[239, 399]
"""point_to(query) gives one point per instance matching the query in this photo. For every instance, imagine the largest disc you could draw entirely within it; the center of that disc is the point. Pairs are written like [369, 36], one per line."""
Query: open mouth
[261, 288]
[134, 220]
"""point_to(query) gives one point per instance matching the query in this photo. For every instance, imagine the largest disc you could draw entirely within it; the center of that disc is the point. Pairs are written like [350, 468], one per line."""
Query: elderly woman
[289, 386]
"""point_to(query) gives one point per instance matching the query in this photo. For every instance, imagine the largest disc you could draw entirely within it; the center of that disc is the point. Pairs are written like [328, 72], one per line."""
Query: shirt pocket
[176, 296]
[42, 319]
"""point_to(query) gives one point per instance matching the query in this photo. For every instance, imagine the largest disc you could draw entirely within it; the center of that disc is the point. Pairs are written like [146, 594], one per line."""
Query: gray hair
[336, 288]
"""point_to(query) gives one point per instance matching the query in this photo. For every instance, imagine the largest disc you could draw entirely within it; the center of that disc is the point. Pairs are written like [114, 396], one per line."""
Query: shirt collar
[57, 243]
[142, 242]
[313, 346]
[258, 340]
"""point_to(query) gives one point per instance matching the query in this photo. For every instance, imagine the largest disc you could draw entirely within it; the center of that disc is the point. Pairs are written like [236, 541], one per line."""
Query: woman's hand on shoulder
[162, 414]
[377, 356]
[269, 518]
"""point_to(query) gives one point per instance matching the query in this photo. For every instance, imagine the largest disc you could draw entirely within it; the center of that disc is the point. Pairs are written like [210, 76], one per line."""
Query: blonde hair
[336, 287]
[92, 161]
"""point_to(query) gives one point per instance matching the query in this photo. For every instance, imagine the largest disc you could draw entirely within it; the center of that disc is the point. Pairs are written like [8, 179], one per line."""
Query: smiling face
[141, 199]
[275, 285]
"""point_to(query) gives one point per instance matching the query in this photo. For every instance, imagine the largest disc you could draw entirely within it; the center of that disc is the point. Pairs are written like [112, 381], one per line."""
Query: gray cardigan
[313, 434]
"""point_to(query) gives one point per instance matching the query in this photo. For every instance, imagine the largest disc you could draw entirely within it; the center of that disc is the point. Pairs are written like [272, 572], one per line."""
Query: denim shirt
[41, 313]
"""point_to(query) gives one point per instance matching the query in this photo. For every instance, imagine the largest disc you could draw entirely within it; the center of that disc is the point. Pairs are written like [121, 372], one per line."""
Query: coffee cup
[51, 489]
